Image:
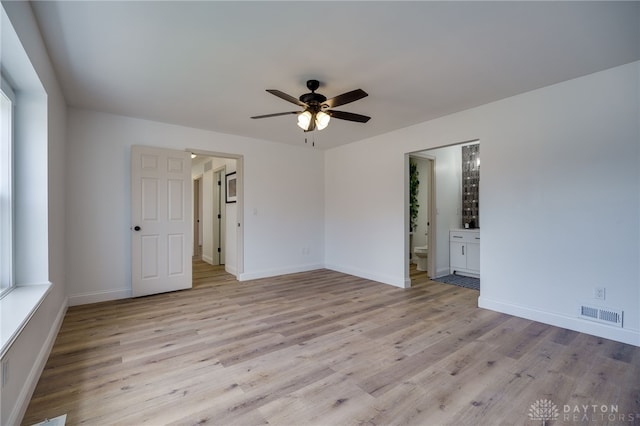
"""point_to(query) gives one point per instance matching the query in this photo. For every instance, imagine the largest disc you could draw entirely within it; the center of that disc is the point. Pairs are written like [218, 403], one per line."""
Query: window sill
[16, 308]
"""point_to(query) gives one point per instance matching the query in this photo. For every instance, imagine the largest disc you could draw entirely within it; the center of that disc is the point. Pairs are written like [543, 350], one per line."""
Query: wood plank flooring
[324, 348]
[205, 275]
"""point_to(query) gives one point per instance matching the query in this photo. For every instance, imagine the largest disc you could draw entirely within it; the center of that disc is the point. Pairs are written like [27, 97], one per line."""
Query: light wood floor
[205, 275]
[323, 348]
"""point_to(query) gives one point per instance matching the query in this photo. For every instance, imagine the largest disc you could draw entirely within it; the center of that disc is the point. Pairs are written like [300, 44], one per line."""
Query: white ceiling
[207, 64]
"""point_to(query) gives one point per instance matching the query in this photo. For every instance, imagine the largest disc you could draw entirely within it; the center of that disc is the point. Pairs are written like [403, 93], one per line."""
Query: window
[24, 213]
[6, 188]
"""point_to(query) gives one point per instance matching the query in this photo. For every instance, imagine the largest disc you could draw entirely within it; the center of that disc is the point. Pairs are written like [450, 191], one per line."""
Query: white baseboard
[22, 403]
[208, 259]
[631, 337]
[384, 279]
[99, 296]
[275, 272]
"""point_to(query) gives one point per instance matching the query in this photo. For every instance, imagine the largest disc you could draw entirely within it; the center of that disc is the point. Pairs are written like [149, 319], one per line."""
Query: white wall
[231, 248]
[560, 200]
[365, 210]
[207, 213]
[448, 176]
[283, 200]
[40, 209]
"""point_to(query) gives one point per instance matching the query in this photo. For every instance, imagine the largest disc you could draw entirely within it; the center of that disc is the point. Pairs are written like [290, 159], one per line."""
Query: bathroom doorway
[422, 214]
[451, 207]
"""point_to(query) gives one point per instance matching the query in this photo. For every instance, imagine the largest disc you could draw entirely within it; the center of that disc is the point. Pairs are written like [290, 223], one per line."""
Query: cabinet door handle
[457, 236]
[463, 250]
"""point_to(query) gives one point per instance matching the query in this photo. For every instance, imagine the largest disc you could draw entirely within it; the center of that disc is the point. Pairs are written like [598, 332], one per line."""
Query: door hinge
[219, 183]
[219, 250]
[219, 216]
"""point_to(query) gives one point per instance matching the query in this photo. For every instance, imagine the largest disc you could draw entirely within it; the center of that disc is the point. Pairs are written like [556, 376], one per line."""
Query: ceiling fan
[318, 109]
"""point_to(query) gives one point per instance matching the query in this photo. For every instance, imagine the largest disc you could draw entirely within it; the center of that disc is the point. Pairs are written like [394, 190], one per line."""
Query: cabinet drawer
[464, 236]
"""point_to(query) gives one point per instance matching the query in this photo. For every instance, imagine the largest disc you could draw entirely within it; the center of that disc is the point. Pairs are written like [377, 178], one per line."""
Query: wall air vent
[603, 315]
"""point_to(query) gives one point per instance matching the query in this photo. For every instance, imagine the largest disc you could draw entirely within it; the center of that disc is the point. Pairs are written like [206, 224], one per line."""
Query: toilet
[421, 254]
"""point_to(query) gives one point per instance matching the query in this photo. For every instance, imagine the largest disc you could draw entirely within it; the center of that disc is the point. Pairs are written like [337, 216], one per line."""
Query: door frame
[431, 238]
[197, 201]
[239, 203]
[219, 173]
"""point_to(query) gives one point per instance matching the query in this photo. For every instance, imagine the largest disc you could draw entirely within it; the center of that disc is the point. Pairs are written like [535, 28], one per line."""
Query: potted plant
[414, 183]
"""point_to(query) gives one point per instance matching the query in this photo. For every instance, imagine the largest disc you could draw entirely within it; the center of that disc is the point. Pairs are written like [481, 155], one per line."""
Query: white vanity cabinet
[464, 252]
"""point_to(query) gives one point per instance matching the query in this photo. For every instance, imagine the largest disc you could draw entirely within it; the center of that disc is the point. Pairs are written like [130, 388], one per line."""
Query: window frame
[7, 269]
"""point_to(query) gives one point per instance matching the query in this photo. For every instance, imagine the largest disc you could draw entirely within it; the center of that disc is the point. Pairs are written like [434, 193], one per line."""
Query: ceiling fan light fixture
[322, 120]
[304, 120]
[318, 109]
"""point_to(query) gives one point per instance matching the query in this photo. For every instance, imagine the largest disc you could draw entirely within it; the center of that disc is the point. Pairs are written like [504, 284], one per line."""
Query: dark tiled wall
[471, 185]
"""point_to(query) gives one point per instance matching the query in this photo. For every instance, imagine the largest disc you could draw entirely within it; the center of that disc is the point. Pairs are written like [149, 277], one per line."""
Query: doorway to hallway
[216, 217]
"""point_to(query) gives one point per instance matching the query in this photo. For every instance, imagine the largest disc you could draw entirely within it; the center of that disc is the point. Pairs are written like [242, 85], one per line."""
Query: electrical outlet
[599, 293]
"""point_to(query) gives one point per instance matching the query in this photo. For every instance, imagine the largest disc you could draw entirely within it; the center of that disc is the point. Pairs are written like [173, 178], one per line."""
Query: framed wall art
[231, 192]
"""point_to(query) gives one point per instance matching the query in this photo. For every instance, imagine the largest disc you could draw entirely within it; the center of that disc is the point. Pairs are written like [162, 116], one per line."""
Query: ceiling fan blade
[349, 116]
[346, 98]
[277, 114]
[286, 97]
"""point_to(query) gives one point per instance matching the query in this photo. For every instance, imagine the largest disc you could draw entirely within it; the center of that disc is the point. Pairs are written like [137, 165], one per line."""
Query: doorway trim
[431, 237]
[221, 220]
[197, 183]
[239, 270]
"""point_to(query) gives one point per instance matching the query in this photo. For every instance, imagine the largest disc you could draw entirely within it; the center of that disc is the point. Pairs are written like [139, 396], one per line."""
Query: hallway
[206, 275]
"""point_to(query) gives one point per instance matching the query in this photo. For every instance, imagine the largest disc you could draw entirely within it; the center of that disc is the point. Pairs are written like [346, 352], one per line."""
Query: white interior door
[221, 215]
[161, 236]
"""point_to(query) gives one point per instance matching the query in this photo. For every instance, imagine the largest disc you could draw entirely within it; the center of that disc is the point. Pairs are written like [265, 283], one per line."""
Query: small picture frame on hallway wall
[231, 193]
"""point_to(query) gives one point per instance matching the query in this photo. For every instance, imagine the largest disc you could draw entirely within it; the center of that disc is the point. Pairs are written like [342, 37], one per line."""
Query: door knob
[136, 228]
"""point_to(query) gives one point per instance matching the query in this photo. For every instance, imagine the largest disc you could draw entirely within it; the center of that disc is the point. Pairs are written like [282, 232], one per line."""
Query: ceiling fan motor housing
[313, 100]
